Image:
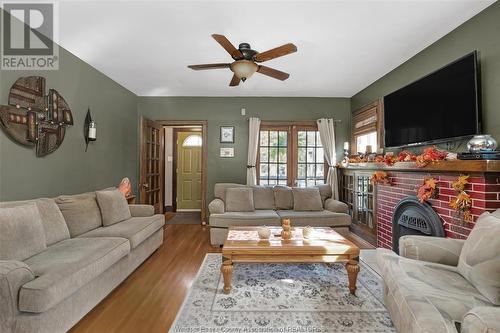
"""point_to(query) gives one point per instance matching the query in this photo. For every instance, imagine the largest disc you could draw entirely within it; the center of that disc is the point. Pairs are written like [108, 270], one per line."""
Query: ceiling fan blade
[208, 66]
[226, 44]
[234, 81]
[274, 73]
[276, 52]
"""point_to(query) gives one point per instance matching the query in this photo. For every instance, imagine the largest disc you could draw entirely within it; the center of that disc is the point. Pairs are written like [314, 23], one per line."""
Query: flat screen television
[442, 106]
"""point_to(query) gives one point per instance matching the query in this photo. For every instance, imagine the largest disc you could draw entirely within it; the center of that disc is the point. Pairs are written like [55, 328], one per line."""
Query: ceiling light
[243, 69]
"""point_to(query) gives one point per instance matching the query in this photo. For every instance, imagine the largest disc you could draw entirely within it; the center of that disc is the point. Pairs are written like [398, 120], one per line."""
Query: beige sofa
[58, 259]
[445, 285]
[270, 205]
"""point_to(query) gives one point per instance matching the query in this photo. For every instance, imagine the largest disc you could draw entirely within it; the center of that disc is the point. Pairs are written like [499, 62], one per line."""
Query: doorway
[185, 170]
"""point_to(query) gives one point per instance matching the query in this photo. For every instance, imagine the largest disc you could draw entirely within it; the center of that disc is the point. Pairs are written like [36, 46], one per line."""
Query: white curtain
[326, 129]
[253, 145]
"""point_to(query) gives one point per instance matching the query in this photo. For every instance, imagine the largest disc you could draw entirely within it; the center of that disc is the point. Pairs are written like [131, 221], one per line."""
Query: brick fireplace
[483, 188]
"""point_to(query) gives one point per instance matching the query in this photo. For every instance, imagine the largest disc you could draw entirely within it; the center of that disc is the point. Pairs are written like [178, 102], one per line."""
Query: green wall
[70, 169]
[479, 33]
[220, 111]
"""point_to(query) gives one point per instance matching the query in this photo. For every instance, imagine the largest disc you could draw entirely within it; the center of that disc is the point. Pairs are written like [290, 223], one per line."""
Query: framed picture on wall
[227, 152]
[227, 134]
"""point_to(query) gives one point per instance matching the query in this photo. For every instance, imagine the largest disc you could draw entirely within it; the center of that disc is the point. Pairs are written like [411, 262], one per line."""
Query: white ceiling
[343, 46]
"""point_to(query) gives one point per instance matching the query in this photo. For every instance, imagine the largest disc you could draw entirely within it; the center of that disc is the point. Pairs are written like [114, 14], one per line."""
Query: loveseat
[445, 285]
[60, 257]
[264, 205]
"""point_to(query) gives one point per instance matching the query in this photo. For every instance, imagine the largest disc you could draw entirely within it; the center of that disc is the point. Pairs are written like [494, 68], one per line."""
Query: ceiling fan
[246, 59]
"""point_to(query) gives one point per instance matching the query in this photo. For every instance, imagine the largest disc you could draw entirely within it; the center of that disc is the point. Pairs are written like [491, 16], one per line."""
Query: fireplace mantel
[372, 207]
[472, 166]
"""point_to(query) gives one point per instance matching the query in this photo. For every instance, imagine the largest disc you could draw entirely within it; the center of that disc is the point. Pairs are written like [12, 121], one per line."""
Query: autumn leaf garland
[427, 190]
[462, 202]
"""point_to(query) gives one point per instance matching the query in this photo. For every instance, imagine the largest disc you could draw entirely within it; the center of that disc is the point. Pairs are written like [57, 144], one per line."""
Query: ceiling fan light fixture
[243, 69]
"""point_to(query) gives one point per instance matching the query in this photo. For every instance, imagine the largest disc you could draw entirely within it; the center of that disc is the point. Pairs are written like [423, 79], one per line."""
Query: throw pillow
[283, 197]
[114, 207]
[80, 212]
[239, 200]
[21, 232]
[307, 199]
[263, 197]
[479, 260]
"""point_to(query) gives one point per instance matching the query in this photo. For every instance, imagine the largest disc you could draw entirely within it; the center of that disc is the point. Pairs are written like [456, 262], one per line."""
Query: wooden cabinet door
[151, 180]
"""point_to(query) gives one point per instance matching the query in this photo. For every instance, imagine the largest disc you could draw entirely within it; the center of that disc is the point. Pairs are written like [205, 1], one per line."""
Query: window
[310, 158]
[193, 140]
[290, 155]
[273, 153]
[366, 130]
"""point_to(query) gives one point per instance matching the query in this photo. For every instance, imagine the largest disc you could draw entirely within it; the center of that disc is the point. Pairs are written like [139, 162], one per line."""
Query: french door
[152, 165]
[290, 154]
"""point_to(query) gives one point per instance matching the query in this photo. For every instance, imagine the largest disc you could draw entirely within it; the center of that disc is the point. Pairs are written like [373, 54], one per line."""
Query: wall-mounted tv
[442, 106]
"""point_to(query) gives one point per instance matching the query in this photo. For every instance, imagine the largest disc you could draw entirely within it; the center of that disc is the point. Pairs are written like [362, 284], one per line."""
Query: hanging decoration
[380, 177]
[34, 118]
[427, 190]
[462, 202]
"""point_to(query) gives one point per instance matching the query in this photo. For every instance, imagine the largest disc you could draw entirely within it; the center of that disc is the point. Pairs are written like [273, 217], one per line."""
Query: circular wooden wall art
[34, 118]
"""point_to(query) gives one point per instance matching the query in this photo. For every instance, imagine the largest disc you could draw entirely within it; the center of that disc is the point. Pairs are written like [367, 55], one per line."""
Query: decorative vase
[307, 232]
[481, 143]
[287, 229]
[264, 232]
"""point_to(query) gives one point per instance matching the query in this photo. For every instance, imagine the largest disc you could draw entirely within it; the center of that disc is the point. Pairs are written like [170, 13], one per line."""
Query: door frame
[204, 157]
[175, 151]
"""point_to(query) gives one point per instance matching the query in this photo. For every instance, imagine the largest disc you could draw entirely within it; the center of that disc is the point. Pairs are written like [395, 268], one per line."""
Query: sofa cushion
[283, 197]
[53, 222]
[65, 267]
[263, 197]
[256, 218]
[21, 232]
[479, 260]
[307, 199]
[322, 218]
[220, 189]
[113, 205]
[423, 296]
[80, 212]
[135, 229]
[325, 190]
[239, 200]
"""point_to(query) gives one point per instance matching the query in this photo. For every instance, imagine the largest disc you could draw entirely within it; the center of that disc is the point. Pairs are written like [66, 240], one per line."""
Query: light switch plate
[243, 111]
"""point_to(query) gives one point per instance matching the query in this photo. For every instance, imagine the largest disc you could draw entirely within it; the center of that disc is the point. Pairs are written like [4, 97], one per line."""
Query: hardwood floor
[148, 300]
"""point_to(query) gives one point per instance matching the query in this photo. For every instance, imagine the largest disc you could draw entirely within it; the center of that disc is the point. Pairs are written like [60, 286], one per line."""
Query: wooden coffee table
[243, 245]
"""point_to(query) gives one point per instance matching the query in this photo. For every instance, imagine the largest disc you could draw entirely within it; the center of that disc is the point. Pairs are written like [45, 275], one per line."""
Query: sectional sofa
[443, 284]
[60, 257]
[263, 205]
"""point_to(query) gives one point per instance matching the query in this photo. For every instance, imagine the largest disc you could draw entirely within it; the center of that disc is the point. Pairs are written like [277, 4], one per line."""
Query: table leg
[352, 273]
[227, 274]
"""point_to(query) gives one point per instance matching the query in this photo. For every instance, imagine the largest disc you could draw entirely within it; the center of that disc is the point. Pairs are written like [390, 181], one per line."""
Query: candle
[346, 145]
[368, 149]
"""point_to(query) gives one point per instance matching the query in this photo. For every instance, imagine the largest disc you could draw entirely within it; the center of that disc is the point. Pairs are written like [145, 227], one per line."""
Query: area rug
[185, 218]
[283, 298]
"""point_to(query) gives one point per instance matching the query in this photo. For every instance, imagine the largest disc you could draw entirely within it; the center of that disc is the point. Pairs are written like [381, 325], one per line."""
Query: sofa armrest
[481, 319]
[336, 206]
[13, 275]
[216, 206]
[439, 250]
[141, 210]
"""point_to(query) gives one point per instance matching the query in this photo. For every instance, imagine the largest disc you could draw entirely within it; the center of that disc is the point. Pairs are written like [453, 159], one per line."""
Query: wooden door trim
[204, 157]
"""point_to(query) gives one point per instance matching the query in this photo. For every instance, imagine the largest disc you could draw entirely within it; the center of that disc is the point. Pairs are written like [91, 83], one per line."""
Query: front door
[189, 170]
[151, 165]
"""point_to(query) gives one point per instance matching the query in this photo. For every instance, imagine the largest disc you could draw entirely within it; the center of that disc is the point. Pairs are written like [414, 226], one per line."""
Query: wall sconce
[89, 129]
